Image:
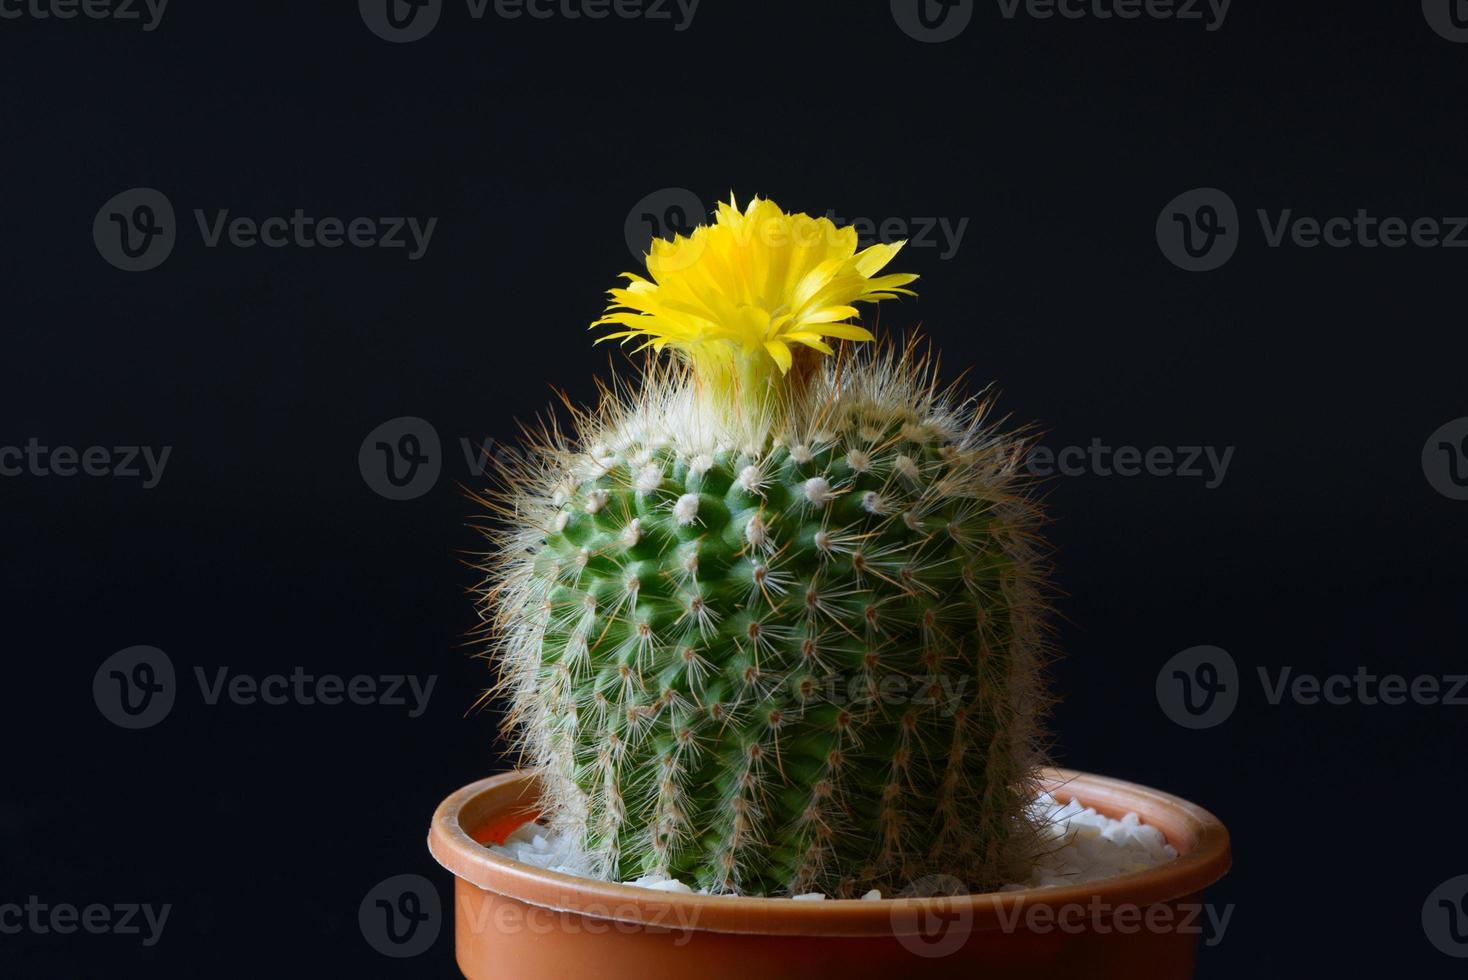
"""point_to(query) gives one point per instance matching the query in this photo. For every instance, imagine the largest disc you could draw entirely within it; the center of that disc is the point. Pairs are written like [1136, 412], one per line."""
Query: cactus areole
[771, 617]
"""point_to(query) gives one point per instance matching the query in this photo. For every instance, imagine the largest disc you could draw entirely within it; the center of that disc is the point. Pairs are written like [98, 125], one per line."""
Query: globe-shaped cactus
[770, 617]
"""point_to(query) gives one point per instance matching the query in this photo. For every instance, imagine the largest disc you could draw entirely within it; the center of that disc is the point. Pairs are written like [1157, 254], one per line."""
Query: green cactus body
[813, 663]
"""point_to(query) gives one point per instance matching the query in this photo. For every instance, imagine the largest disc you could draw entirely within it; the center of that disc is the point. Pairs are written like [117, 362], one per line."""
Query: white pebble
[1080, 845]
[661, 883]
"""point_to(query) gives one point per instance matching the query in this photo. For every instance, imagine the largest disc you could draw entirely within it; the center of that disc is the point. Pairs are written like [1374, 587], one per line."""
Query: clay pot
[517, 922]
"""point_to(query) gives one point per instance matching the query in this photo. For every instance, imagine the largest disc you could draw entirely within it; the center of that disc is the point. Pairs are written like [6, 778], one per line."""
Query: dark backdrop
[1328, 546]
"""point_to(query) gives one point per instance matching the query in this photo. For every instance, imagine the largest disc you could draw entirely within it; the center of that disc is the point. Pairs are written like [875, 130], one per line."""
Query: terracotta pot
[517, 922]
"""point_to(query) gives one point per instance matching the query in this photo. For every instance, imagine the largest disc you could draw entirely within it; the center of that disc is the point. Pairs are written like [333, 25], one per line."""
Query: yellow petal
[830, 314]
[781, 354]
[871, 260]
[732, 296]
[846, 331]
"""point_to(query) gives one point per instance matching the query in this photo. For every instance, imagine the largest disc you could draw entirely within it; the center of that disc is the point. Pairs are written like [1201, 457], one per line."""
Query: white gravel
[1087, 846]
[1082, 846]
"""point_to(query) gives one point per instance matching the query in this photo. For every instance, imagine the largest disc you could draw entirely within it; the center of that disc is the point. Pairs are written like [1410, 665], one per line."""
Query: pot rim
[1200, 838]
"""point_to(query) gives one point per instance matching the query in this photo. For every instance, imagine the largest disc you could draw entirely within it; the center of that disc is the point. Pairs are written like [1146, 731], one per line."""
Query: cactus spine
[774, 623]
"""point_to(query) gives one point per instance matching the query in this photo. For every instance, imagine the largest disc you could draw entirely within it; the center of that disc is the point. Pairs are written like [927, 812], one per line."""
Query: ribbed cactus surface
[808, 665]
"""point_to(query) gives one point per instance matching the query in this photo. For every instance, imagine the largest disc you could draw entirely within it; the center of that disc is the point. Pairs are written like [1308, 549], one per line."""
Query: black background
[1325, 548]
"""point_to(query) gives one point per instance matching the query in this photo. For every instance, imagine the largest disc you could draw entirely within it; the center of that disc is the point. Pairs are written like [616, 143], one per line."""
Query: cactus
[770, 618]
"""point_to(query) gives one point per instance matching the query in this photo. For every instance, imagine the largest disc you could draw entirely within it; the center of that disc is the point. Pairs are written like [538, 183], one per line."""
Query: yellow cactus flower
[733, 298]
